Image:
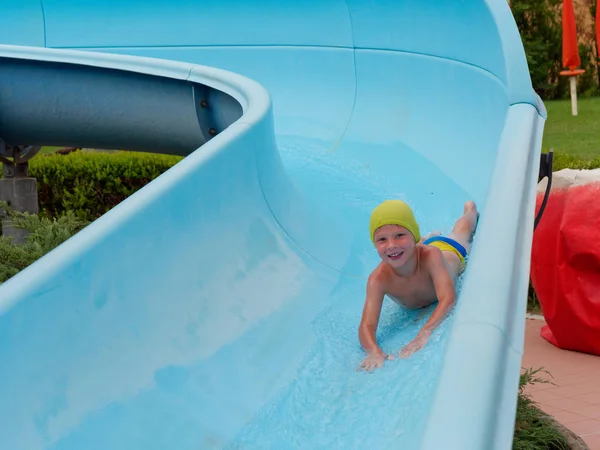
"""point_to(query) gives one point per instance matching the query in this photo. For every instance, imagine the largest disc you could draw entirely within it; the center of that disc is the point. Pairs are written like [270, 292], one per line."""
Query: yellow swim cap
[394, 212]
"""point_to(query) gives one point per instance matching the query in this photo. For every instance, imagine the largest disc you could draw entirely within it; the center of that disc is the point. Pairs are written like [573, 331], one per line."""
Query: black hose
[545, 171]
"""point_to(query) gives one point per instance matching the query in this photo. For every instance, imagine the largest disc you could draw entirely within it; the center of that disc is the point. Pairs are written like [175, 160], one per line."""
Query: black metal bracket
[545, 171]
[15, 158]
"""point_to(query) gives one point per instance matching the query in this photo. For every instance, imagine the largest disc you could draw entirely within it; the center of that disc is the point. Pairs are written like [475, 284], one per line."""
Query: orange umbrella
[570, 51]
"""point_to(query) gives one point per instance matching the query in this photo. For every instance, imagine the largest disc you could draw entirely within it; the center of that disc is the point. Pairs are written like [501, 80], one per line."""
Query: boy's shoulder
[380, 277]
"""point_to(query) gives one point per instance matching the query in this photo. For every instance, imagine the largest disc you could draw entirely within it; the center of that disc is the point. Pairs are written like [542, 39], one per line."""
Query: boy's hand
[416, 344]
[373, 361]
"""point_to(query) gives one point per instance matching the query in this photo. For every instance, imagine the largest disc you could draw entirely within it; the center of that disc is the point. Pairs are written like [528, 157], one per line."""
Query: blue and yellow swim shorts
[447, 244]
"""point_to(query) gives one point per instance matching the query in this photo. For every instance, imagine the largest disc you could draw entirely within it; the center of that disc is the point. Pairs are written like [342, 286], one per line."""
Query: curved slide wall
[218, 306]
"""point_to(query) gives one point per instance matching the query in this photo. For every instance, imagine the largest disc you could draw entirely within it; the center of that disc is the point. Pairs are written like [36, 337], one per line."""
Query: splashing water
[331, 405]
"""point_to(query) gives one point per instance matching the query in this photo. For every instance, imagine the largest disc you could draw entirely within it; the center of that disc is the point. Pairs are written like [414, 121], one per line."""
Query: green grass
[578, 136]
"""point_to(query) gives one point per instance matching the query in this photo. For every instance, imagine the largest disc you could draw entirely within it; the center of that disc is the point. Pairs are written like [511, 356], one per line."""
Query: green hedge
[44, 234]
[91, 183]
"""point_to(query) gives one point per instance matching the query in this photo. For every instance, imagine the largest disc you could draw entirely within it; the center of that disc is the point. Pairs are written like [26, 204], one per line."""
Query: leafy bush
[91, 183]
[44, 234]
[533, 429]
[540, 28]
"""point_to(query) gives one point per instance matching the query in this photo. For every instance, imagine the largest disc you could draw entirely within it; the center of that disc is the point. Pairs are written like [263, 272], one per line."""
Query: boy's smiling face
[395, 244]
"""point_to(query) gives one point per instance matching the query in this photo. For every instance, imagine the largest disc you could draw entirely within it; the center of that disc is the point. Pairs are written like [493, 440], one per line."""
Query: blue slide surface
[218, 306]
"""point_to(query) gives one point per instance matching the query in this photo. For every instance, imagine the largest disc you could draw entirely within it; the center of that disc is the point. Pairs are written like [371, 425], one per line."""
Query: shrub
[533, 429]
[91, 183]
[540, 28]
[45, 234]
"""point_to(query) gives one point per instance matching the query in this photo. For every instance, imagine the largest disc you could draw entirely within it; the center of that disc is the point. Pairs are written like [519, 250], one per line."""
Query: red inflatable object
[565, 267]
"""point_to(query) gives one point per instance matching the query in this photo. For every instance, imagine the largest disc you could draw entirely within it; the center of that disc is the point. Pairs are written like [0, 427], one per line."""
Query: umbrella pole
[573, 89]
[572, 74]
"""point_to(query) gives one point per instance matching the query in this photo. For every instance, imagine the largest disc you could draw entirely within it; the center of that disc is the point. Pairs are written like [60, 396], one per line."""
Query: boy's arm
[370, 315]
[444, 289]
[446, 295]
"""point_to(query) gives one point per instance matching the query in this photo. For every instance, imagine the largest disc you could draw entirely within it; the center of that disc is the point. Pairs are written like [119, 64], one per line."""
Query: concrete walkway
[574, 398]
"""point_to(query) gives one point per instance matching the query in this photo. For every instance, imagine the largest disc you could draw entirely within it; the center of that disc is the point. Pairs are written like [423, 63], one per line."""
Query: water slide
[218, 306]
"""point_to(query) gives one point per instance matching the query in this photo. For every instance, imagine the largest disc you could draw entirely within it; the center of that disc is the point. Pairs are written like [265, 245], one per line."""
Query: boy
[414, 272]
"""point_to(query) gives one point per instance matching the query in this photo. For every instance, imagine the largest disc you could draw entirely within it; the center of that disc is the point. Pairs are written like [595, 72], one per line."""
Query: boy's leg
[465, 226]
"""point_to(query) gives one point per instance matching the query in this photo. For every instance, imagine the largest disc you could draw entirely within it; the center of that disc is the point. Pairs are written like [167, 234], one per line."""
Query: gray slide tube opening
[70, 105]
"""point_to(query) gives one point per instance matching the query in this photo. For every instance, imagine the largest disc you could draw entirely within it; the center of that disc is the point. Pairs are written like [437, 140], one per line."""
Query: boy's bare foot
[470, 207]
[472, 215]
